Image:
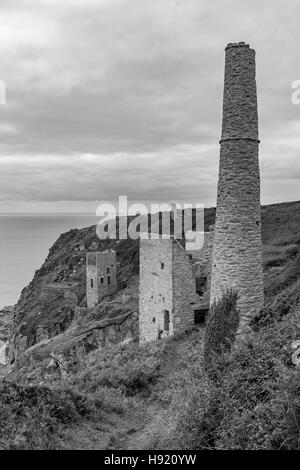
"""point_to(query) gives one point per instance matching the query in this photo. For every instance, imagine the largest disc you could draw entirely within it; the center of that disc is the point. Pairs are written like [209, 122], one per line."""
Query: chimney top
[237, 44]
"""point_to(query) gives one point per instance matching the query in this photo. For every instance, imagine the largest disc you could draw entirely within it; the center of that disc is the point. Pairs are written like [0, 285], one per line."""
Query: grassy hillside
[104, 396]
[159, 396]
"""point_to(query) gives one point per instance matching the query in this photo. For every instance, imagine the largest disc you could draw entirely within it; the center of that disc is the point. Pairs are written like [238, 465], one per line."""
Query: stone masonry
[167, 290]
[155, 289]
[184, 290]
[202, 261]
[201, 258]
[101, 276]
[237, 251]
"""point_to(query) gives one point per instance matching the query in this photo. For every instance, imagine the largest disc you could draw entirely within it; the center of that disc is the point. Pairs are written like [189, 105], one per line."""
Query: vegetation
[38, 417]
[254, 404]
[33, 417]
[221, 330]
[127, 369]
[282, 282]
[160, 396]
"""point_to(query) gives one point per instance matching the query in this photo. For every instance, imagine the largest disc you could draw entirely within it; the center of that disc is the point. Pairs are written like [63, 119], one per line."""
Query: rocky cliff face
[6, 316]
[46, 306]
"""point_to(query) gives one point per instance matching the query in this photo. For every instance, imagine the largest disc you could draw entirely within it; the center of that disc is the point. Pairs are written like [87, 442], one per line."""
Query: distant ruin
[173, 292]
[237, 251]
[101, 276]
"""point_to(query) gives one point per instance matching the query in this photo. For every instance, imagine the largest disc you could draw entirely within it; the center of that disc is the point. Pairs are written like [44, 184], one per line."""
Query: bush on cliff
[220, 331]
[130, 369]
[255, 404]
[33, 417]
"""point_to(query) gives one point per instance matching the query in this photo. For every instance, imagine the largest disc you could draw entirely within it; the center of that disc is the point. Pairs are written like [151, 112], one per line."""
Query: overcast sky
[124, 97]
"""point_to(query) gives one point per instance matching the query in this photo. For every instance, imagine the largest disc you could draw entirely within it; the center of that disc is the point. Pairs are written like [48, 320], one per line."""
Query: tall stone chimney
[237, 252]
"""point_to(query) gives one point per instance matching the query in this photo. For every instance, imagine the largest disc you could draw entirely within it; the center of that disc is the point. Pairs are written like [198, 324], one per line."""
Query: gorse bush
[279, 255]
[37, 417]
[221, 330]
[131, 369]
[32, 417]
[281, 284]
[255, 404]
[285, 301]
[288, 275]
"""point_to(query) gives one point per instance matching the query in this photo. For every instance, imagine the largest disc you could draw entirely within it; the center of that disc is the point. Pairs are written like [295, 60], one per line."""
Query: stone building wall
[201, 257]
[210, 259]
[167, 292]
[107, 273]
[202, 264]
[91, 280]
[237, 252]
[155, 289]
[101, 276]
[184, 290]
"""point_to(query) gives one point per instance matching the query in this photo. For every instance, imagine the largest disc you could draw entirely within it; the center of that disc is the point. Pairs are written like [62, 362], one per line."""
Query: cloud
[125, 96]
[6, 128]
[177, 175]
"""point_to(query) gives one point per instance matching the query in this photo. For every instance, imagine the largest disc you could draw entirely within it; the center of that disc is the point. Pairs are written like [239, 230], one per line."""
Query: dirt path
[142, 419]
[133, 429]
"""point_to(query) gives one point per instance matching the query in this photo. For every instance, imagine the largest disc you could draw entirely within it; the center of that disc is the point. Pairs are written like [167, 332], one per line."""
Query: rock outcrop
[46, 306]
[56, 357]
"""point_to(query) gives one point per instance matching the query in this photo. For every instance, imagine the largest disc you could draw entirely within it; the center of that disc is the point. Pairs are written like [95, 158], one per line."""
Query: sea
[25, 240]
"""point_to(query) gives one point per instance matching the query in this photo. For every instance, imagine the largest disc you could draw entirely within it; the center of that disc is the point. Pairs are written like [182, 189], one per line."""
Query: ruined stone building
[237, 251]
[170, 302]
[101, 276]
[201, 265]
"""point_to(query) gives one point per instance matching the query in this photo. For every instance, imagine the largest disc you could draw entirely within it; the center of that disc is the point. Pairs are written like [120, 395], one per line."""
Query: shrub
[131, 369]
[32, 417]
[278, 306]
[221, 330]
[279, 256]
[288, 276]
[254, 405]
